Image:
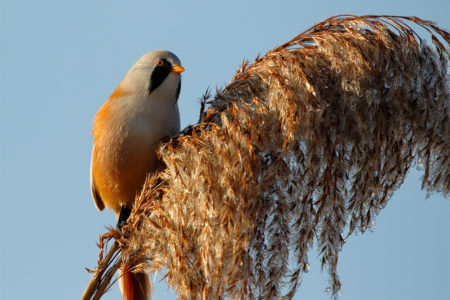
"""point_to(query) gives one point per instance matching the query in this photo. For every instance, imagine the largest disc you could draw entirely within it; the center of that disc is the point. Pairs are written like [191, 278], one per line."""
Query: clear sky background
[60, 60]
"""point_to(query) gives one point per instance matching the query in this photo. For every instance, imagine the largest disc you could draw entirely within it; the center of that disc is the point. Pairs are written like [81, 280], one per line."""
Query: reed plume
[305, 145]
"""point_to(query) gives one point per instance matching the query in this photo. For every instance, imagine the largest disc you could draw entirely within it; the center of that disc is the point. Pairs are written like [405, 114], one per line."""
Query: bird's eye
[160, 63]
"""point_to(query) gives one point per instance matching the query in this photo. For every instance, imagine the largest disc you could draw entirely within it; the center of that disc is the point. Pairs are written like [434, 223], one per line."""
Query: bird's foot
[123, 217]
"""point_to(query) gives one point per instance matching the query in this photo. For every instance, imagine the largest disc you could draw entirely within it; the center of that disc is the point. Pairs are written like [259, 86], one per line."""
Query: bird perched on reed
[142, 110]
[304, 147]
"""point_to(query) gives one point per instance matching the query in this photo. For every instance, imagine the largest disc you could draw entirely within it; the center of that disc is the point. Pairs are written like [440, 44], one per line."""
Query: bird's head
[155, 73]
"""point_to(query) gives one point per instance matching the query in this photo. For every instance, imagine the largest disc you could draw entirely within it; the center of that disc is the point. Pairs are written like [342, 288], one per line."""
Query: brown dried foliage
[308, 142]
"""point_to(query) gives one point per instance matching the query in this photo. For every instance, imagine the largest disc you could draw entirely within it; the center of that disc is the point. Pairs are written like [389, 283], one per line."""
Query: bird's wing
[97, 199]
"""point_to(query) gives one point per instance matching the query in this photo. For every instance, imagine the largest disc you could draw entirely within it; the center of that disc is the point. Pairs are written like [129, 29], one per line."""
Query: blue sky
[60, 60]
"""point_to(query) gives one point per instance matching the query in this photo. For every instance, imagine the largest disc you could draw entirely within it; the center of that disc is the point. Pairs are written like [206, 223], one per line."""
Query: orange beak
[177, 69]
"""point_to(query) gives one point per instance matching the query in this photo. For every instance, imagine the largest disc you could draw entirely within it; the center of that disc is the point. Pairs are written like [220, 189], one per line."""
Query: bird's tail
[134, 286]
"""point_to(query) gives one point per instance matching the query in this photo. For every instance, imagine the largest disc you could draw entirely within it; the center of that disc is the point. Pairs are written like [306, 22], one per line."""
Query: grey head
[158, 66]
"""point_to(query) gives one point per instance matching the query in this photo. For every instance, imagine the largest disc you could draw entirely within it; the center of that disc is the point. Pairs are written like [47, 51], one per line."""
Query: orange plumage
[121, 159]
[134, 286]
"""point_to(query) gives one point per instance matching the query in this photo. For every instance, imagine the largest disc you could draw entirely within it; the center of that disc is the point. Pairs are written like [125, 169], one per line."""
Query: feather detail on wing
[95, 195]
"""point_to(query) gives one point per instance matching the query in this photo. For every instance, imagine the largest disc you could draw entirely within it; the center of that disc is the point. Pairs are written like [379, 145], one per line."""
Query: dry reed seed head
[309, 140]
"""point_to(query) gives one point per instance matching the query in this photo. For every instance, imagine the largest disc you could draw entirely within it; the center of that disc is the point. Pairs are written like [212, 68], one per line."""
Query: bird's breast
[125, 146]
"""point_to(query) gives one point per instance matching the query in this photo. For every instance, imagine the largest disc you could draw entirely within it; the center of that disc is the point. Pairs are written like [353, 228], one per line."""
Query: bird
[126, 131]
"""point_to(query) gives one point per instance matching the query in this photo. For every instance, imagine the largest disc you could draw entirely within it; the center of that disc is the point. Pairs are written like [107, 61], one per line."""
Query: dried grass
[306, 144]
